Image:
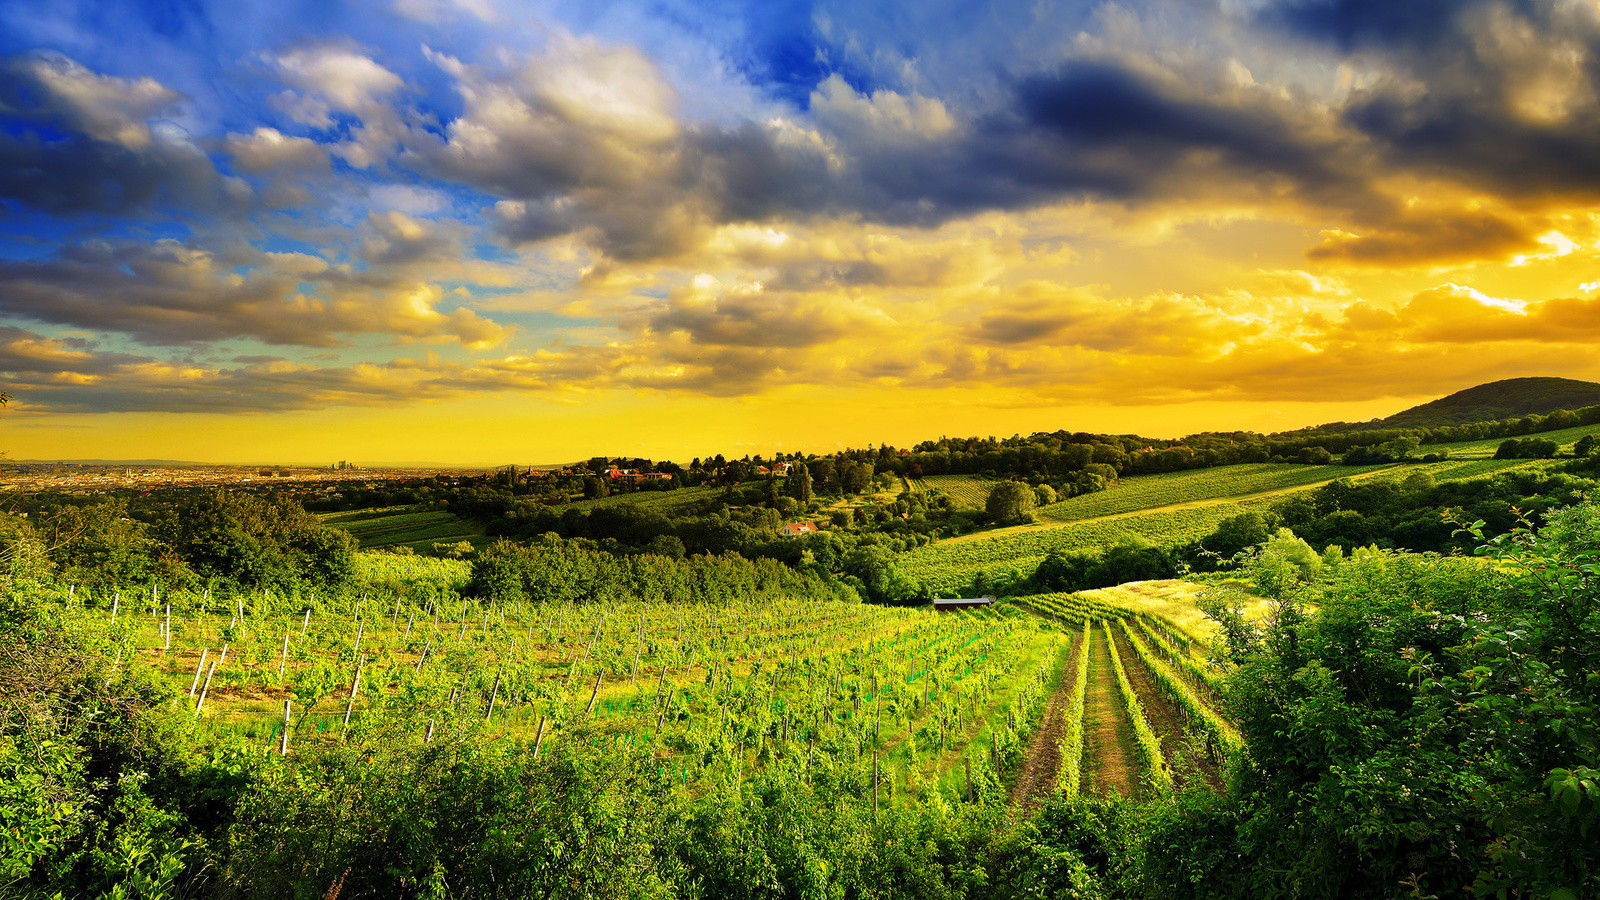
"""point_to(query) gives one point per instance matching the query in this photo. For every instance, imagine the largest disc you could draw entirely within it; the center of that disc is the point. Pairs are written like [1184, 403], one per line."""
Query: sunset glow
[478, 232]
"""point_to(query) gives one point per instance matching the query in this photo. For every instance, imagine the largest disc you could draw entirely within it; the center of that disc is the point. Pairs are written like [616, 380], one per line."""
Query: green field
[1466, 469]
[1565, 438]
[971, 491]
[947, 567]
[441, 576]
[664, 502]
[1196, 485]
[933, 695]
[398, 526]
[1171, 508]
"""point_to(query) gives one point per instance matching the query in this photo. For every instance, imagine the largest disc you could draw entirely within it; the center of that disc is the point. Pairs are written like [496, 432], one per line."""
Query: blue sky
[232, 218]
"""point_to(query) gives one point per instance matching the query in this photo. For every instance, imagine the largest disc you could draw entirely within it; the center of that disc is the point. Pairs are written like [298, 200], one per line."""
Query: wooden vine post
[201, 702]
[195, 685]
[355, 687]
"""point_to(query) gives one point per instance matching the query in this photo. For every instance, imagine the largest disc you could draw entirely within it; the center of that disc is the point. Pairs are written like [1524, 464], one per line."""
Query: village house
[636, 475]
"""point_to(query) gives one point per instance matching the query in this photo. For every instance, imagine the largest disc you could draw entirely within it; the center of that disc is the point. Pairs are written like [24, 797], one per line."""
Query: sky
[478, 232]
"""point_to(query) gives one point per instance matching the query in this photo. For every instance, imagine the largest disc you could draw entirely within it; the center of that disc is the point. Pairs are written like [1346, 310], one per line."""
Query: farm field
[964, 704]
[665, 502]
[947, 567]
[412, 574]
[1172, 601]
[398, 526]
[1196, 485]
[1464, 469]
[1565, 438]
[971, 491]
[1172, 508]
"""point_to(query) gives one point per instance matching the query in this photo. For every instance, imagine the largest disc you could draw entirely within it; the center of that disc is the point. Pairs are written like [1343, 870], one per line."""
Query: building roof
[959, 602]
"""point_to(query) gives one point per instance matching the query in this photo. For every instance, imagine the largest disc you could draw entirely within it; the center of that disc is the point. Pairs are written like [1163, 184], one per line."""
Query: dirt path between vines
[1165, 719]
[1110, 760]
[1042, 766]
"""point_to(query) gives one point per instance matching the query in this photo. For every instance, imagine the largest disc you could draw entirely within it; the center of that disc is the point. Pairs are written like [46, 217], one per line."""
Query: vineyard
[1565, 438]
[971, 491]
[908, 700]
[1147, 491]
[948, 566]
[401, 526]
[1168, 509]
[664, 502]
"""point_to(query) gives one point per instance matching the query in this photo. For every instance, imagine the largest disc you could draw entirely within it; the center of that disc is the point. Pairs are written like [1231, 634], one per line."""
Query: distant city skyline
[476, 232]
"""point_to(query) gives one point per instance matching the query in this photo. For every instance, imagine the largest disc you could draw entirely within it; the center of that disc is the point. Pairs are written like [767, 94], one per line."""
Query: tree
[1010, 503]
[1526, 448]
[1238, 532]
[1585, 446]
[1282, 563]
[874, 566]
[799, 483]
[100, 546]
[258, 542]
[856, 477]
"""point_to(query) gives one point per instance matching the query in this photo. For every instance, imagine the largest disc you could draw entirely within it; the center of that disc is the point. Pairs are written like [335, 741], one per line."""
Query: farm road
[1042, 767]
[1110, 761]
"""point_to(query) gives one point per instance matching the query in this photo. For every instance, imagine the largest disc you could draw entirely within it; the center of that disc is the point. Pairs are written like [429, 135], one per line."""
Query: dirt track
[1110, 761]
[1042, 765]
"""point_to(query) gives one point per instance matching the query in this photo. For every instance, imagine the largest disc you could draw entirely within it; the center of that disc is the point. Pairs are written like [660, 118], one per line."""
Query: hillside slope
[1507, 399]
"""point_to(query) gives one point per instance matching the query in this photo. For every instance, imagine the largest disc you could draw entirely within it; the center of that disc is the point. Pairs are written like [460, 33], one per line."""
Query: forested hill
[1506, 399]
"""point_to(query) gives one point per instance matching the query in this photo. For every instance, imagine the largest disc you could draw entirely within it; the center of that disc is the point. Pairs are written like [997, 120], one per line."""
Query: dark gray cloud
[77, 174]
[1503, 95]
[83, 142]
[1434, 238]
[761, 319]
[1386, 24]
[69, 375]
[171, 292]
[1087, 129]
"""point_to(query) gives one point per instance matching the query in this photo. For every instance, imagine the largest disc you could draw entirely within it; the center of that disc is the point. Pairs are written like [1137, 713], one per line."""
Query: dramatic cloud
[170, 292]
[87, 142]
[1029, 205]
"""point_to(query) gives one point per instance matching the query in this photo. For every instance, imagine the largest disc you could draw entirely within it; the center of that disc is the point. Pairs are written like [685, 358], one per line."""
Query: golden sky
[480, 233]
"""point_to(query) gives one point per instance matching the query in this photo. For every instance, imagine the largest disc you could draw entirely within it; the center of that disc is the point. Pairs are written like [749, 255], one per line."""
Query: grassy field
[971, 491]
[1173, 601]
[948, 566]
[1466, 469]
[1171, 508]
[1565, 438]
[442, 576]
[397, 526]
[931, 696]
[664, 502]
[1142, 492]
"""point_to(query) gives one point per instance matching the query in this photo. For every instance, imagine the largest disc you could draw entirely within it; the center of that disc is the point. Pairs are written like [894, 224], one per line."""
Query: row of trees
[1342, 517]
[227, 540]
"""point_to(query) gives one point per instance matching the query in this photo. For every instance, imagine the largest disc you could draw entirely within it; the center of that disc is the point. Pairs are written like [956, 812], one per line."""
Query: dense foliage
[225, 540]
[1411, 724]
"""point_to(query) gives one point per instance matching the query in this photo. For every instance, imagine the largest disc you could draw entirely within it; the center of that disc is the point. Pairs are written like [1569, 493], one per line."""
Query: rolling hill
[1507, 399]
